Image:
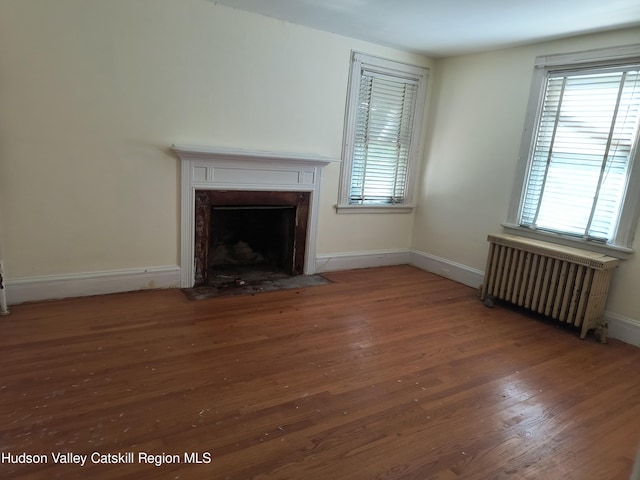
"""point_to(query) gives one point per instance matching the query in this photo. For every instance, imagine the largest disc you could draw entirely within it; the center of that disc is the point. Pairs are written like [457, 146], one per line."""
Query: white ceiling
[450, 27]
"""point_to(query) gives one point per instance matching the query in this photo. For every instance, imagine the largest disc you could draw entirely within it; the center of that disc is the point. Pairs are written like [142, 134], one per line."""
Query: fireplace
[249, 233]
[267, 181]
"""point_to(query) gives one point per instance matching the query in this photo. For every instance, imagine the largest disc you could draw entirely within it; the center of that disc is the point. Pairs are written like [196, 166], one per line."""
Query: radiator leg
[488, 301]
[602, 330]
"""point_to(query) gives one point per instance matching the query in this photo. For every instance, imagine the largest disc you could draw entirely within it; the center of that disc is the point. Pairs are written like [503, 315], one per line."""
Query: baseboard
[623, 328]
[620, 327]
[29, 289]
[20, 290]
[352, 260]
[380, 258]
[446, 268]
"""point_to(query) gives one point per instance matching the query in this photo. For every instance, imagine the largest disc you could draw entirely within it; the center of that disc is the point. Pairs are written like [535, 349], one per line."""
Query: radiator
[563, 283]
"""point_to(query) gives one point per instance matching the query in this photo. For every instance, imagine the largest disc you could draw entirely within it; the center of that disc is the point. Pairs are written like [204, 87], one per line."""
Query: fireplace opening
[249, 240]
[247, 236]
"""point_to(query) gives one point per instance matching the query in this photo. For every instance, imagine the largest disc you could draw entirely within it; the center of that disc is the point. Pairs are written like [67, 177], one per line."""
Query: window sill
[374, 208]
[622, 253]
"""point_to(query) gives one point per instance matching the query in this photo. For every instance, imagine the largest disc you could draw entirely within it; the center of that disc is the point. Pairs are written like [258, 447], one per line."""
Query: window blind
[586, 133]
[382, 141]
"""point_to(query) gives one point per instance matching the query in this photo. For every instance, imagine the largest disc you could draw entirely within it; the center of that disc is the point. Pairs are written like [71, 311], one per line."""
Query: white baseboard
[380, 258]
[623, 328]
[30, 289]
[352, 260]
[20, 290]
[620, 327]
[446, 268]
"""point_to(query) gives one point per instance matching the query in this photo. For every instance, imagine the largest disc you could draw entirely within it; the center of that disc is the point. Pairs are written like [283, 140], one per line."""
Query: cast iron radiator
[563, 283]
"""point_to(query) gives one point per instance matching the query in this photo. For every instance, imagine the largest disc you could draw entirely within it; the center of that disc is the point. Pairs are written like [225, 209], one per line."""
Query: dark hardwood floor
[387, 373]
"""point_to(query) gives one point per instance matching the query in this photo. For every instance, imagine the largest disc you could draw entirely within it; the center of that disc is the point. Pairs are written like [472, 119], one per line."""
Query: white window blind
[586, 134]
[382, 140]
[383, 123]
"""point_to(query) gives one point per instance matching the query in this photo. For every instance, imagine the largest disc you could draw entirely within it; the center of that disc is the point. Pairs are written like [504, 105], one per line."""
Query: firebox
[252, 235]
[252, 232]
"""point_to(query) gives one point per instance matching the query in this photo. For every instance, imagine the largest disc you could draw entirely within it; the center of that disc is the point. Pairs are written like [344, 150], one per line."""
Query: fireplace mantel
[210, 168]
[209, 153]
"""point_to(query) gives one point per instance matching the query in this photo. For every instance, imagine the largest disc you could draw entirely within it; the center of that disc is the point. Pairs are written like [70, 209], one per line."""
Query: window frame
[359, 62]
[621, 245]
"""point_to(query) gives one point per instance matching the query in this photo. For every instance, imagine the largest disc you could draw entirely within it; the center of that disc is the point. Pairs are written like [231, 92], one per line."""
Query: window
[580, 149]
[385, 105]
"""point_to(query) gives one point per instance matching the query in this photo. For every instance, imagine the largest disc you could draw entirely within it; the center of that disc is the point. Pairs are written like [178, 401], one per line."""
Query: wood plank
[390, 373]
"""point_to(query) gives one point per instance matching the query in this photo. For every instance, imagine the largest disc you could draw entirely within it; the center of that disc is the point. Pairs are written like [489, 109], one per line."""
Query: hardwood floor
[387, 373]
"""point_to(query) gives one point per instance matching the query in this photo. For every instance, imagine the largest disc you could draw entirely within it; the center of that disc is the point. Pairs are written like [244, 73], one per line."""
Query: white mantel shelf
[191, 151]
[213, 168]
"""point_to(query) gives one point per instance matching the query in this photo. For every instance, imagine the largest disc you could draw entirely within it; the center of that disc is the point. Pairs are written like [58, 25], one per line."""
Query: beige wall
[475, 124]
[93, 93]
